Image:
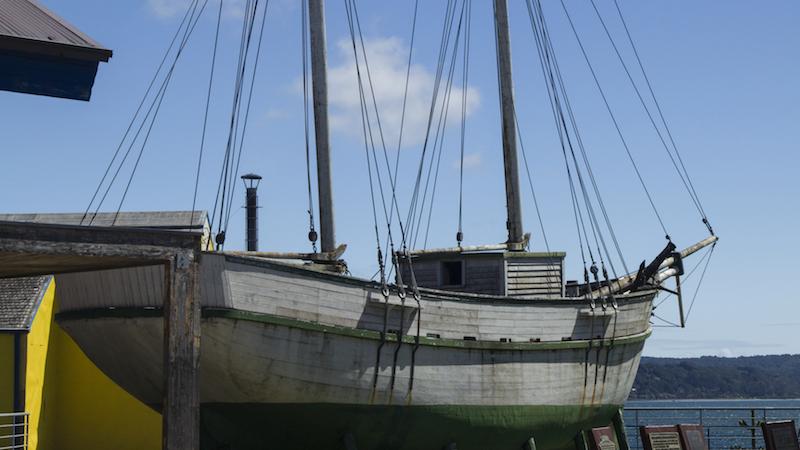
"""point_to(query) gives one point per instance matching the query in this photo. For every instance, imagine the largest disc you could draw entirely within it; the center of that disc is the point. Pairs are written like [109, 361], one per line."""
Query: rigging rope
[312, 234]
[249, 101]
[530, 183]
[614, 120]
[205, 114]
[700, 282]
[447, 27]
[557, 95]
[157, 104]
[395, 206]
[187, 16]
[222, 185]
[239, 121]
[464, 90]
[439, 136]
[684, 176]
[663, 120]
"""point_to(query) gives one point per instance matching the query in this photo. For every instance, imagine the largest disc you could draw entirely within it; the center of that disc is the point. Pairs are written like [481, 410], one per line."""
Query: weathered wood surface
[28, 249]
[319, 78]
[32, 248]
[322, 256]
[181, 339]
[249, 284]
[251, 362]
[137, 287]
[509, 129]
[624, 282]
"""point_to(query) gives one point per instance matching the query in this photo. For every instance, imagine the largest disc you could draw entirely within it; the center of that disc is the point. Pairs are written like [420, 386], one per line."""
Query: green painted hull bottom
[245, 426]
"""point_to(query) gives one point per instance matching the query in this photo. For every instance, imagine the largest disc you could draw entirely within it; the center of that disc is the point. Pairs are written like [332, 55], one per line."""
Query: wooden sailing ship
[477, 347]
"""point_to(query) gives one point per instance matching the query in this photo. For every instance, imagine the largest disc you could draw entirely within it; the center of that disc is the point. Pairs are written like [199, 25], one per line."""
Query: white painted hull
[273, 334]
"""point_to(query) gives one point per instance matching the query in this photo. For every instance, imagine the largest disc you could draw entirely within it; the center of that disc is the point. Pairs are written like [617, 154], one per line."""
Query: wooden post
[319, 78]
[181, 408]
[513, 203]
[680, 300]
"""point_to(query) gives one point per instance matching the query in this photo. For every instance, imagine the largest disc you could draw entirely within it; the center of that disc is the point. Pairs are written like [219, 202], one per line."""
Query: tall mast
[319, 69]
[513, 204]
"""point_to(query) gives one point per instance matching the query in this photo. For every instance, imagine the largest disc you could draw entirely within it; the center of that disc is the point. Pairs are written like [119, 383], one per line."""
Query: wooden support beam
[319, 85]
[618, 422]
[680, 300]
[513, 202]
[28, 249]
[181, 406]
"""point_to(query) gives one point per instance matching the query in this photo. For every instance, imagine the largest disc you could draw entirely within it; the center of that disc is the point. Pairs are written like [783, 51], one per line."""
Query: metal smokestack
[251, 182]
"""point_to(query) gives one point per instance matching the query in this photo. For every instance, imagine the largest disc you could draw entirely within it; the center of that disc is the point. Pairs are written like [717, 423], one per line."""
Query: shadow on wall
[73, 404]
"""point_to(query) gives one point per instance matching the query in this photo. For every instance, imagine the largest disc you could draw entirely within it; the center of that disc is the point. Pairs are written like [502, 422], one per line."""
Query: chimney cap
[251, 180]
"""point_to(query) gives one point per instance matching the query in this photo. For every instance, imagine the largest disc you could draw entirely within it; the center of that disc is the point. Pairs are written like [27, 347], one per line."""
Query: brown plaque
[661, 438]
[780, 435]
[604, 438]
[692, 437]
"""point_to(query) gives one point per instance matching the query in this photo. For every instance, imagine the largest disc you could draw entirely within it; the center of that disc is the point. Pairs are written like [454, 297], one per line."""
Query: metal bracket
[677, 262]
[182, 261]
[647, 272]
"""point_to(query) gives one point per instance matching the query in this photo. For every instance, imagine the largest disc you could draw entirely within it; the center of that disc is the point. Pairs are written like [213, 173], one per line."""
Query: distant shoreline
[772, 377]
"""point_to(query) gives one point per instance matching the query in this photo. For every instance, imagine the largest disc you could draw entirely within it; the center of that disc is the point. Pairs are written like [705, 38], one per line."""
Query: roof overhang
[42, 54]
[28, 249]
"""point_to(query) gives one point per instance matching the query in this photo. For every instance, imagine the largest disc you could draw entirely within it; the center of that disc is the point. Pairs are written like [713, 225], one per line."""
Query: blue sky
[725, 72]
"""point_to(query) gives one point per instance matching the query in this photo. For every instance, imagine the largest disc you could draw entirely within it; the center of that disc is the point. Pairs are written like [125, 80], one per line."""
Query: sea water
[729, 424]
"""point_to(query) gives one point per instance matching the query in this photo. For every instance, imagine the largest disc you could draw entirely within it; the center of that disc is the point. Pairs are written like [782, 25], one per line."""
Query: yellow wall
[6, 372]
[37, 361]
[73, 405]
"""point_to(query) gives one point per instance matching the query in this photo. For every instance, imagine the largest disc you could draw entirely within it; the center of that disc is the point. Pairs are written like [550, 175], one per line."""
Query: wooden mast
[513, 203]
[316, 20]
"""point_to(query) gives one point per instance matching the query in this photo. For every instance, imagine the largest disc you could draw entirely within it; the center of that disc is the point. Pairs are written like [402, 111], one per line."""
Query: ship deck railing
[725, 428]
[14, 431]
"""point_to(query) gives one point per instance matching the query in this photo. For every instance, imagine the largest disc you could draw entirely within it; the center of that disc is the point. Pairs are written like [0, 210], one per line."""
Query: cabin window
[452, 273]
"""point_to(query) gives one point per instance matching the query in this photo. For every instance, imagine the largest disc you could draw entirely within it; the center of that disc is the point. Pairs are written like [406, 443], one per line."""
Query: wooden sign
[661, 438]
[780, 435]
[693, 437]
[604, 438]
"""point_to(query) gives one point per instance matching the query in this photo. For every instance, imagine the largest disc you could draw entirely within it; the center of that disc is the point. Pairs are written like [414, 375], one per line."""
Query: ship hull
[325, 426]
[295, 381]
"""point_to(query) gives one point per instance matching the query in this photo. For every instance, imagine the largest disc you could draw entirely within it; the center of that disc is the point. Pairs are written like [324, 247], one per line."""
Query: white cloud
[276, 114]
[388, 59]
[166, 9]
[471, 161]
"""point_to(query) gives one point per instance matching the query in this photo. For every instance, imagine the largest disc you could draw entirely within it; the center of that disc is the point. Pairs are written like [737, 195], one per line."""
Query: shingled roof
[19, 300]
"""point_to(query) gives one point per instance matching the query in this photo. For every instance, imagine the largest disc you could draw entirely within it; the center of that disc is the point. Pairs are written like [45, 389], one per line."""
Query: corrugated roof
[168, 220]
[26, 25]
[19, 300]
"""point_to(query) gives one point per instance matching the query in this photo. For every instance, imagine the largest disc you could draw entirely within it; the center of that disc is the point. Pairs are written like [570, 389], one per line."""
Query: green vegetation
[773, 376]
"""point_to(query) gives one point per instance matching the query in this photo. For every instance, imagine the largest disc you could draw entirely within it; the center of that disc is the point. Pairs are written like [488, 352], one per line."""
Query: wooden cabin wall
[481, 274]
[535, 277]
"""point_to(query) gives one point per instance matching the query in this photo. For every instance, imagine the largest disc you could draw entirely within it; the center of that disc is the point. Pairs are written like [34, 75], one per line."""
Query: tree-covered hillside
[774, 376]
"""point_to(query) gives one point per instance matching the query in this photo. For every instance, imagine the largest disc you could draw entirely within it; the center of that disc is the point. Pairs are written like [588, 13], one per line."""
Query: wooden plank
[181, 411]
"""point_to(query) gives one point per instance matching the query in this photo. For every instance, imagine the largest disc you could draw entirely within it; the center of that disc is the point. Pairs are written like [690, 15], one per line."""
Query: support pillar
[319, 85]
[181, 405]
[509, 130]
